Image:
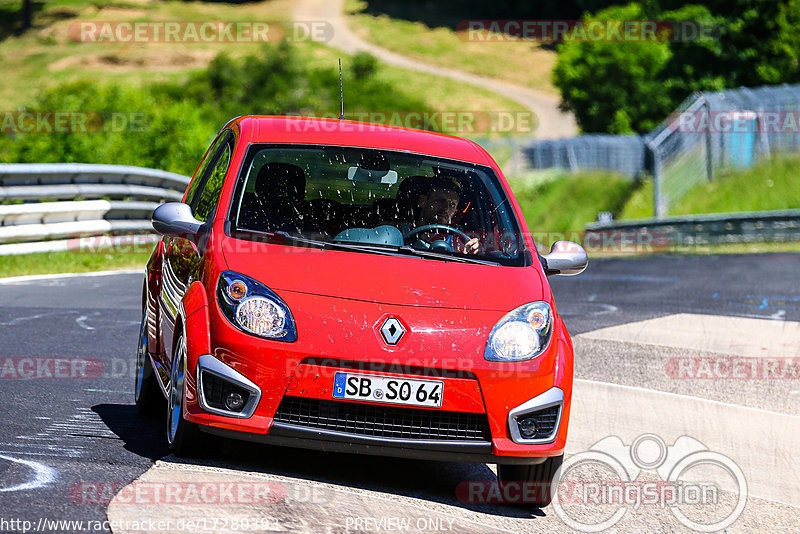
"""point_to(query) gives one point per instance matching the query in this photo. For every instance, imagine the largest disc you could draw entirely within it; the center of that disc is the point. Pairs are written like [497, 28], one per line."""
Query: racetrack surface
[71, 443]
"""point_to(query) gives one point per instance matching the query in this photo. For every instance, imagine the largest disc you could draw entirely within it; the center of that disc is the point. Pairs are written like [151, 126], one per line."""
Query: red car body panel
[339, 300]
[403, 281]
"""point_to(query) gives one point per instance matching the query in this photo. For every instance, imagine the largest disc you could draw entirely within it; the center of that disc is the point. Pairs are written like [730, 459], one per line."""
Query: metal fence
[49, 207]
[623, 153]
[707, 133]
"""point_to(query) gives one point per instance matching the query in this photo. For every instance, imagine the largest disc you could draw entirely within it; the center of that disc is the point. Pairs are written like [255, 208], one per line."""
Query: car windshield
[379, 201]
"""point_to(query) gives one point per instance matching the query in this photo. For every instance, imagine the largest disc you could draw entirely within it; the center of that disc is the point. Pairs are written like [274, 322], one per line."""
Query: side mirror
[175, 219]
[565, 258]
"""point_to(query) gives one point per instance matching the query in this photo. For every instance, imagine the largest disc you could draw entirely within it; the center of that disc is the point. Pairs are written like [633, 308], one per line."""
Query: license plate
[388, 389]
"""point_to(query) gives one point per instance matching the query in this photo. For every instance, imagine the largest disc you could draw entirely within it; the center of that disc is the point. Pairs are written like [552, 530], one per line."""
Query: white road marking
[24, 318]
[59, 276]
[607, 308]
[82, 322]
[763, 452]
[738, 336]
[42, 475]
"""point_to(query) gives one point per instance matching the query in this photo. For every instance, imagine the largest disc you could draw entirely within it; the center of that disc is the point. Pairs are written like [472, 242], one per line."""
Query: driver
[437, 203]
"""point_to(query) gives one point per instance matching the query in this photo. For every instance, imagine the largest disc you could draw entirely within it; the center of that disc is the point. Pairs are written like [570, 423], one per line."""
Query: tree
[631, 86]
[614, 85]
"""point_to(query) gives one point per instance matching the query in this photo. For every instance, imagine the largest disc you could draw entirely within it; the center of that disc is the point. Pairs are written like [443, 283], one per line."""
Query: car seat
[279, 200]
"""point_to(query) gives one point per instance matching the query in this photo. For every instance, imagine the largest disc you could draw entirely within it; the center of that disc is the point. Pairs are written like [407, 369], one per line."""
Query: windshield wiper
[328, 245]
[407, 249]
[389, 251]
[383, 250]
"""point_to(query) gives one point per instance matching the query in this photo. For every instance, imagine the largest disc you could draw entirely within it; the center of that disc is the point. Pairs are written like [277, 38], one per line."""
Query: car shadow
[429, 480]
[439, 482]
[141, 435]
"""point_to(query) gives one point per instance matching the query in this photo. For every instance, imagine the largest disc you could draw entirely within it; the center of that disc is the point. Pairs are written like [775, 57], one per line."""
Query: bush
[135, 128]
[567, 203]
[364, 65]
[169, 125]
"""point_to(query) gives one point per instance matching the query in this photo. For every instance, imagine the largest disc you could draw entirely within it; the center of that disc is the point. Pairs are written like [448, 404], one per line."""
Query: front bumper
[287, 435]
[472, 385]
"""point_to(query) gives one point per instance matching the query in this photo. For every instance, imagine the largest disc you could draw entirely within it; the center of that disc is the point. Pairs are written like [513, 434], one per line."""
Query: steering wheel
[429, 227]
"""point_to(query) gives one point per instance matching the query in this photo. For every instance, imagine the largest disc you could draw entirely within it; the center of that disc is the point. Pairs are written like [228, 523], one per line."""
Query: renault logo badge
[392, 330]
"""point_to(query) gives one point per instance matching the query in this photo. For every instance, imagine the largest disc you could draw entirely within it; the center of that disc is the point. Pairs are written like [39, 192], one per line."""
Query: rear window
[374, 199]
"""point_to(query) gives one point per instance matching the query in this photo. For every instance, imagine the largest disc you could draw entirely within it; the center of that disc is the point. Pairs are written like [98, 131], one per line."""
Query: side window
[204, 165]
[210, 194]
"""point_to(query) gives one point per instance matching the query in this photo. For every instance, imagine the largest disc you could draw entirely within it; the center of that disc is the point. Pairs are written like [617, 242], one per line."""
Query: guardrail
[712, 229]
[42, 204]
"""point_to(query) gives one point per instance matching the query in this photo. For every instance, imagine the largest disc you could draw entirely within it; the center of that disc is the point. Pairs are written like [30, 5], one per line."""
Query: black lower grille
[545, 421]
[384, 421]
[216, 390]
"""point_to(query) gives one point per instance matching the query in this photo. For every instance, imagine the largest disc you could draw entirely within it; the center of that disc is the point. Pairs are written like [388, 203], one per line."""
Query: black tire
[511, 478]
[183, 437]
[147, 395]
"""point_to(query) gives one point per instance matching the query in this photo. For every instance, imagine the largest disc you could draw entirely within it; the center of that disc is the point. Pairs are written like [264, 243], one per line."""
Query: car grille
[384, 421]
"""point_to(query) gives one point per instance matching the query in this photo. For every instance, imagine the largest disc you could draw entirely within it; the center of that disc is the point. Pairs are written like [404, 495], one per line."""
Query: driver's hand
[472, 246]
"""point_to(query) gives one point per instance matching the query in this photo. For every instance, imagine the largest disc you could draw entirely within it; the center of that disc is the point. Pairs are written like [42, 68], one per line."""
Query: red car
[352, 287]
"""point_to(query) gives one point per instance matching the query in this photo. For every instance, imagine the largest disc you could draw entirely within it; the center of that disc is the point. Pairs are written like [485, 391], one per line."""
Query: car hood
[406, 281]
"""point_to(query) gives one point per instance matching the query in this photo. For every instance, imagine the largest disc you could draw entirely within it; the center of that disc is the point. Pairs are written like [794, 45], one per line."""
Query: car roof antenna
[341, 91]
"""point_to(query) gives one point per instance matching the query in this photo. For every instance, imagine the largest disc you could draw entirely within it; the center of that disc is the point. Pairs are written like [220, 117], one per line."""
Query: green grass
[45, 56]
[768, 185]
[72, 262]
[640, 203]
[440, 94]
[522, 63]
[560, 207]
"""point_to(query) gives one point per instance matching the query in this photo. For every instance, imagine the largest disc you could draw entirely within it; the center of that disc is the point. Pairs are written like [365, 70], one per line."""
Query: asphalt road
[72, 437]
[79, 427]
[617, 291]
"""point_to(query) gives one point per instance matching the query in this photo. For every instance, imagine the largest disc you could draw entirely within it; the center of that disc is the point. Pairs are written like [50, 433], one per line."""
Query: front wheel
[533, 484]
[147, 394]
[182, 435]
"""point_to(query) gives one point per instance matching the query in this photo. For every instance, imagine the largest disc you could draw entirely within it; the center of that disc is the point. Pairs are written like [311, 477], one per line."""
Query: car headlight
[521, 334]
[254, 308]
